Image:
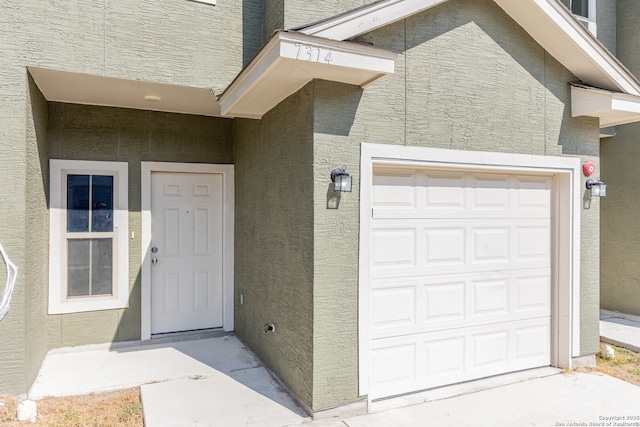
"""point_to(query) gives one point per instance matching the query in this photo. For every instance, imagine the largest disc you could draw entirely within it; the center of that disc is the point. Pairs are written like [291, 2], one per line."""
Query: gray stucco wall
[79, 132]
[620, 277]
[274, 239]
[468, 77]
[180, 42]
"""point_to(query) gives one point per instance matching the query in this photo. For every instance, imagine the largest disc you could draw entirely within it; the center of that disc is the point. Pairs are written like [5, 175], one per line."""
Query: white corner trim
[58, 302]
[227, 172]
[612, 108]
[568, 195]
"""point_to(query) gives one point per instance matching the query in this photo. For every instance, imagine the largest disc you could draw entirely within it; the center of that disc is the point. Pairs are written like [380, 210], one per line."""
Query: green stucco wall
[468, 77]
[79, 132]
[180, 42]
[620, 242]
[274, 239]
[606, 23]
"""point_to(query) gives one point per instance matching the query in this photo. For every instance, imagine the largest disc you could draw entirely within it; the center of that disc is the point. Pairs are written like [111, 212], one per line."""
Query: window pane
[580, 7]
[90, 267]
[101, 267]
[102, 197]
[77, 203]
[78, 273]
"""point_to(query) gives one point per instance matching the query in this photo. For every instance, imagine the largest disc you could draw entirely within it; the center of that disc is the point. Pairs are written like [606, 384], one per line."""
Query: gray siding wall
[274, 239]
[620, 277]
[79, 132]
[468, 77]
[179, 42]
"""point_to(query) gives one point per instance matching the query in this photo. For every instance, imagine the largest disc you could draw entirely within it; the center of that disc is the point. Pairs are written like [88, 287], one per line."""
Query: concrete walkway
[217, 382]
[620, 330]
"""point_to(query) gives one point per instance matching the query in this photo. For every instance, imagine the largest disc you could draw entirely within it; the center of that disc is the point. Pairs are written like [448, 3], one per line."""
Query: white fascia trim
[364, 20]
[290, 46]
[568, 189]
[533, 15]
[228, 185]
[611, 108]
[601, 59]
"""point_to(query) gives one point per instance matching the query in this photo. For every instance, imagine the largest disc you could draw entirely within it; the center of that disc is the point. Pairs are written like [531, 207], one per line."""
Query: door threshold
[189, 335]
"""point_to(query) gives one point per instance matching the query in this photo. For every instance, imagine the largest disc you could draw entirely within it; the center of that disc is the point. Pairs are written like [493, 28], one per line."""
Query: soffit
[89, 89]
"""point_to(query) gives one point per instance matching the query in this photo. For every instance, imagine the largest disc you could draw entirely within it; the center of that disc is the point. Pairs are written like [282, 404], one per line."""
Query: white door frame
[227, 172]
[567, 194]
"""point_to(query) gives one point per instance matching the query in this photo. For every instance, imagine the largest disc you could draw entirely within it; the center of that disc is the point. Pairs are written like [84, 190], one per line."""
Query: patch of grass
[625, 365]
[116, 408]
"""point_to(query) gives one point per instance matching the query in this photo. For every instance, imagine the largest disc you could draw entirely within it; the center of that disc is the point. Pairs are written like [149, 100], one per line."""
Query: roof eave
[289, 60]
[611, 108]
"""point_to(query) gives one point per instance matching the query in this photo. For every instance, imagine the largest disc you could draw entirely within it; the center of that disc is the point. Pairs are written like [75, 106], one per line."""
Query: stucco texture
[620, 245]
[467, 77]
[274, 239]
[181, 42]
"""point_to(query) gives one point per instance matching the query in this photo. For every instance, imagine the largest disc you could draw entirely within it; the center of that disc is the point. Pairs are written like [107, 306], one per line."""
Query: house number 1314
[311, 53]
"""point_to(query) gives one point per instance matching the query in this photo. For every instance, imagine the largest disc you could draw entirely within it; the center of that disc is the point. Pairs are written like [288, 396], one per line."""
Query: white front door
[186, 251]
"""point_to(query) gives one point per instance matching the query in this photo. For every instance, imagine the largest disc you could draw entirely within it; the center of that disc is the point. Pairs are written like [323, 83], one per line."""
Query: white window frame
[58, 301]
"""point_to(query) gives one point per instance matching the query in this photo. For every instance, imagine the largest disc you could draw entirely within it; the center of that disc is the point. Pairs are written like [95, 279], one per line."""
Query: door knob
[154, 261]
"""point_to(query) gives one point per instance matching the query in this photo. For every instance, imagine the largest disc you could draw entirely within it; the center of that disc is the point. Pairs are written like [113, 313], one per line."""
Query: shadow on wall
[340, 104]
[251, 28]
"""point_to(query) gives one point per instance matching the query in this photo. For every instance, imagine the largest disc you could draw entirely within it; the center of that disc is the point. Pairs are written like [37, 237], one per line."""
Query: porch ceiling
[89, 89]
[289, 60]
[612, 108]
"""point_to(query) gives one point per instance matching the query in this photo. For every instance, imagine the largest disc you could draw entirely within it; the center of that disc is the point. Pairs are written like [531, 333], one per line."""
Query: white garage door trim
[566, 194]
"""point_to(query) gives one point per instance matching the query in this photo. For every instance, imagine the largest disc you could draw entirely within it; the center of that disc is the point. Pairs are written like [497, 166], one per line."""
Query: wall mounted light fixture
[598, 188]
[341, 179]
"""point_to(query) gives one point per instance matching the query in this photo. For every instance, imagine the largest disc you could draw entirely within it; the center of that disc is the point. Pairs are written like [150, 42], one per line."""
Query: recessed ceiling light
[152, 98]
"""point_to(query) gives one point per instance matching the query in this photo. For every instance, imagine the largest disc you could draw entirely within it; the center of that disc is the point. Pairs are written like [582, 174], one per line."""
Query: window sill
[84, 305]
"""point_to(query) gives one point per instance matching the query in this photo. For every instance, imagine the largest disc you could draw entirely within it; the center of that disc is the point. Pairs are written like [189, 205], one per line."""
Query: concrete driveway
[217, 382]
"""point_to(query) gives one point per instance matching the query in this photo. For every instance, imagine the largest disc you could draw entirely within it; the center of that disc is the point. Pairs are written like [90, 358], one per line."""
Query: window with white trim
[89, 255]
[585, 11]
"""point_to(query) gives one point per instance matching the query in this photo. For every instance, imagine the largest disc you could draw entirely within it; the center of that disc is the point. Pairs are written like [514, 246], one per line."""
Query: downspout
[12, 274]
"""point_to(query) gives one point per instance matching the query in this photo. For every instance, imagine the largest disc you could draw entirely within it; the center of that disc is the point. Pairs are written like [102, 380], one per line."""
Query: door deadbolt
[154, 250]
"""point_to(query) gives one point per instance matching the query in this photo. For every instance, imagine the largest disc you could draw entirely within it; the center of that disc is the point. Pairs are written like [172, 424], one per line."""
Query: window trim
[58, 301]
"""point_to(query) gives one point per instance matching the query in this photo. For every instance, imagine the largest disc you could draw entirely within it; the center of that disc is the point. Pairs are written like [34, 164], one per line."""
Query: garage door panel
[447, 357]
[444, 192]
[490, 298]
[532, 242]
[460, 276]
[490, 192]
[444, 246]
[394, 248]
[428, 247]
[395, 190]
[394, 307]
[427, 304]
[490, 244]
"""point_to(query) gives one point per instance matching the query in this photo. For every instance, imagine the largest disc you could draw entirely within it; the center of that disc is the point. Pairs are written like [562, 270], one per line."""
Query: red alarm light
[588, 168]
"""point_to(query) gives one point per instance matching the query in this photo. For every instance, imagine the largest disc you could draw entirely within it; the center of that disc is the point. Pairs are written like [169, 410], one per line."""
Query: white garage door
[460, 276]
